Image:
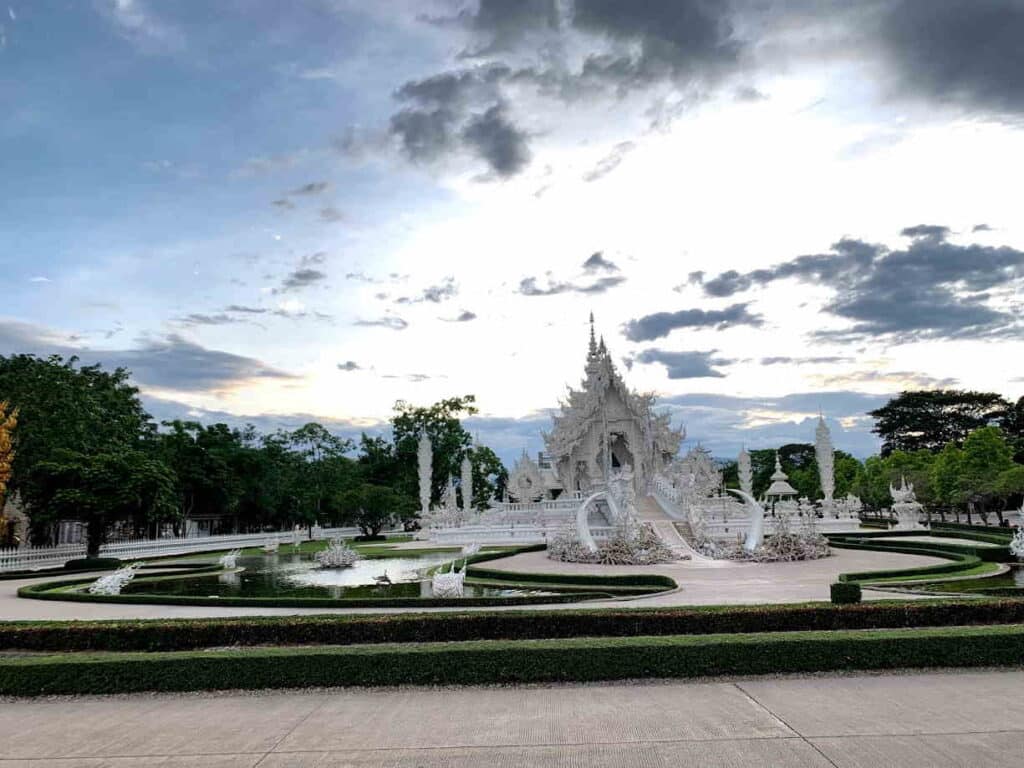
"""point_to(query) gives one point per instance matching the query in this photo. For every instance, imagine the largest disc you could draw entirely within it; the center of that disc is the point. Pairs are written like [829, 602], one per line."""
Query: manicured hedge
[996, 554]
[845, 592]
[189, 634]
[961, 561]
[488, 662]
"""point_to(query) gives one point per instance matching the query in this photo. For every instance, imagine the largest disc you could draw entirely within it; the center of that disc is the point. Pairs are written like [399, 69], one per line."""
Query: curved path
[701, 583]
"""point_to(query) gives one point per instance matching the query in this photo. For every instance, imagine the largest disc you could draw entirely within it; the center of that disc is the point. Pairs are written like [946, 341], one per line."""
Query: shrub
[353, 629]
[366, 537]
[489, 662]
[845, 592]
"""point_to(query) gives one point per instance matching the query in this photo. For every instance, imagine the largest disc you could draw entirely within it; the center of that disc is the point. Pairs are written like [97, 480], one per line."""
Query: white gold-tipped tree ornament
[425, 460]
[825, 454]
[338, 555]
[746, 473]
[467, 485]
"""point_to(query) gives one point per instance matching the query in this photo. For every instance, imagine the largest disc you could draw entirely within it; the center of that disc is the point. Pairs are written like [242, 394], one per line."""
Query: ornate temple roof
[582, 406]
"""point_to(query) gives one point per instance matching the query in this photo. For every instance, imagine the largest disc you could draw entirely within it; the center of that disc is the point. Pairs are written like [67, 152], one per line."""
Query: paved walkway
[931, 720]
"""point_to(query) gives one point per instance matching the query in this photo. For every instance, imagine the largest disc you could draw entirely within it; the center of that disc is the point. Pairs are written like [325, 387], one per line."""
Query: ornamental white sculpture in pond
[113, 583]
[338, 555]
[425, 459]
[229, 560]
[1017, 545]
[450, 583]
[271, 546]
[825, 455]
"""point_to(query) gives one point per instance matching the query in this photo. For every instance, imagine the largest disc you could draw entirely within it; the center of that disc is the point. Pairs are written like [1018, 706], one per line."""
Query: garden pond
[287, 574]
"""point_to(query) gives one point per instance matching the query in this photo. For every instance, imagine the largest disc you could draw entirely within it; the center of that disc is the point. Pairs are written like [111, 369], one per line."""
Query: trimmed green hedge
[845, 592]
[996, 554]
[189, 634]
[488, 662]
[961, 561]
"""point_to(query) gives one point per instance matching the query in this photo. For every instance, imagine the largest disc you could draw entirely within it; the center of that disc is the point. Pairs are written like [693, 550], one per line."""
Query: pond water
[298, 575]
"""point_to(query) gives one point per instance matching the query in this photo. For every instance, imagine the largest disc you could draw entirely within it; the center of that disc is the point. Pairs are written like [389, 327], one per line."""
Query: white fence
[38, 558]
[511, 534]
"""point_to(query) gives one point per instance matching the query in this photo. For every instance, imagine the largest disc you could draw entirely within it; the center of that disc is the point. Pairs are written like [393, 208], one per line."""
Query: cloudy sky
[271, 210]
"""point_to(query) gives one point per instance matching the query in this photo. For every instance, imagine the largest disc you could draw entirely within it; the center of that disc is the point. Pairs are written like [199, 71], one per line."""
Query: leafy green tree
[102, 489]
[373, 507]
[203, 459]
[929, 419]
[1012, 424]
[450, 440]
[946, 477]
[322, 469]
[986, 455]
[1009, 486]
[489, 476]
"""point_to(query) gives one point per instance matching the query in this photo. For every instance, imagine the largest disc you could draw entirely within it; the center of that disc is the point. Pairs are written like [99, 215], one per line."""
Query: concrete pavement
[908, 720]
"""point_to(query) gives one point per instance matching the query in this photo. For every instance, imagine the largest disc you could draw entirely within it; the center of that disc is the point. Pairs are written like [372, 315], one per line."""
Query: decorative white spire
[825, 454]
[467, 484]
[425, 458]
[746, 473]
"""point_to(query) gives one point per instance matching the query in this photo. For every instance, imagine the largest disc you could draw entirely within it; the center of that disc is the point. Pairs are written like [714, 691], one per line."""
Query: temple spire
[593, 342]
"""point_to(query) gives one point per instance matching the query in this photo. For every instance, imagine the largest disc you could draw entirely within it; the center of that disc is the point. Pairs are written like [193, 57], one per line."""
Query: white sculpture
[470, 549]
[1017, 544]
[338, 555]
[113, 583]
[746, 474]
[229, 560]
[525, 481]
[825, 454]
[271, 546]
[905, 506]
[755, 533]
[425, 459]
[450, 583]
[467, 485]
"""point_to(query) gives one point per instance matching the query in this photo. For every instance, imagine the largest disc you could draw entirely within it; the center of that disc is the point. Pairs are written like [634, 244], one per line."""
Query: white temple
[610, 461]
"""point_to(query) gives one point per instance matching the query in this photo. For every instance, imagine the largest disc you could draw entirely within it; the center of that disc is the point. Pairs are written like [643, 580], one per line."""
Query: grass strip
[527, 661]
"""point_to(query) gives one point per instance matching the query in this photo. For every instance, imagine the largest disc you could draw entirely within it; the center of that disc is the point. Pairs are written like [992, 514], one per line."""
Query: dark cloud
[597, 262]
[424, 135]
[931, 289]
[301, 278]
[313, 188]
[168, 362]
[498, 141]
[332, 214]
[349, 365]
[503, 24]
[394, 323]
[981, 228]
[246, 309]
[684, 365]
[528, 286]
[434, 294]
[659, 324]
[609, 162]
[464, 316]
[284, 204]
[967, 54]
[926, 231]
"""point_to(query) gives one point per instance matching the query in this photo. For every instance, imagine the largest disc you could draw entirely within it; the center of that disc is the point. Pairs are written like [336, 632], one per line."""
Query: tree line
[87, 450]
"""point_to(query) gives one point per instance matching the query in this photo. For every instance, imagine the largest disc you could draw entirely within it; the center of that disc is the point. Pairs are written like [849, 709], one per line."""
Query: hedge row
[960, 561]
[488, 662]
[190, 634]
[996, 554]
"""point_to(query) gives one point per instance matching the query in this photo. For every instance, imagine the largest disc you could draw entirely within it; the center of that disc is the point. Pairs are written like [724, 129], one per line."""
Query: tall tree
[986, 455]
[929, 419]
[1012, 424]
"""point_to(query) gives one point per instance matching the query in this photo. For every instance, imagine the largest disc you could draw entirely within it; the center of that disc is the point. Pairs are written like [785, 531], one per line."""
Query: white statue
[425, 458]
[113, 583]
[905, 506]
[755, 533]
[270, 546]
[229, 561]
[338, 555]
[825, 455]
[450, 583]
[467, 485]
[746, 474]
[1017, 544]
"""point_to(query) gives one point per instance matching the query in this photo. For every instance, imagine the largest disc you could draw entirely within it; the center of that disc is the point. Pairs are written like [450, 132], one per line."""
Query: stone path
[908, 720]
